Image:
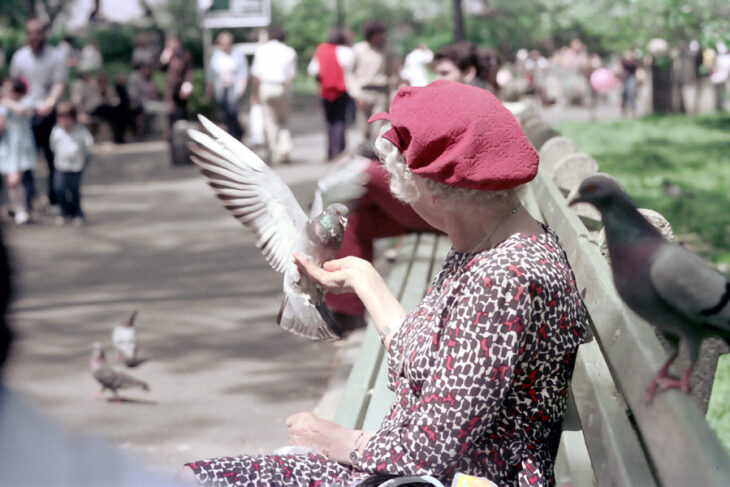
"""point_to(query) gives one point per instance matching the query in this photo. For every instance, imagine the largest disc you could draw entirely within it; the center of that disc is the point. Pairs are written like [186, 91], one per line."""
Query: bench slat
[573, 464]
[608, 434]
[682, 447]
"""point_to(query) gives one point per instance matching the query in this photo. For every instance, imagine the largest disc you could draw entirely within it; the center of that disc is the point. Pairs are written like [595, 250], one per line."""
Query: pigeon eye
[590, 188]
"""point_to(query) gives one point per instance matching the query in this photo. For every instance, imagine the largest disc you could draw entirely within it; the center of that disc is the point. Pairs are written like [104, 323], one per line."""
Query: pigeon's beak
[344, 221]
[576, 199]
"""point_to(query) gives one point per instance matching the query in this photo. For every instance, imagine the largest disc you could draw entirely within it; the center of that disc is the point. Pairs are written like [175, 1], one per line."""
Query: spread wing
[691, 286]
[344, 182]
[251, 191]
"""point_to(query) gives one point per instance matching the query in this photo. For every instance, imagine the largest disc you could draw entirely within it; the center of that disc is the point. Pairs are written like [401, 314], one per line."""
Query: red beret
[459, 135]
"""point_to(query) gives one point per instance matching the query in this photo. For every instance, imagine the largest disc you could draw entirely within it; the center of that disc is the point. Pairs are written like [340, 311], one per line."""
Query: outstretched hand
[339, 275]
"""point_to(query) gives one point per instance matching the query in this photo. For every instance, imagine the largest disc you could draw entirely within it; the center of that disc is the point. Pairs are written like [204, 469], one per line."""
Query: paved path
[223, 376]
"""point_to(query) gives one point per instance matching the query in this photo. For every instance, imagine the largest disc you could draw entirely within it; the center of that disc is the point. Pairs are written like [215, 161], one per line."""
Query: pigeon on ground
[124, 339]
[110, 378]
[259, 199]
[677, 291]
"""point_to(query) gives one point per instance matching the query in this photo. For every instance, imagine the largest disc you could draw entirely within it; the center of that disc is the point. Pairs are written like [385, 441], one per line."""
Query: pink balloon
[602, 80]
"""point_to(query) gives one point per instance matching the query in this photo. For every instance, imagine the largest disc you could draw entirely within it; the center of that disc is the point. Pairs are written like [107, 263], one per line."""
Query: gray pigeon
[124, 339]
[110, 378]
[682, 295]
[260, 200]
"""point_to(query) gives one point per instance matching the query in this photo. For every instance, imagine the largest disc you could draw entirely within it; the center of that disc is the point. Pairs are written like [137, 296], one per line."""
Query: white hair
[403, 181]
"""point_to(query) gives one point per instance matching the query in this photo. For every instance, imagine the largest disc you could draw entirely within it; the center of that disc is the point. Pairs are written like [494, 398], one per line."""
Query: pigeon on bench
[124, 339]
[259, 199]
[110, 378]
[668, 286]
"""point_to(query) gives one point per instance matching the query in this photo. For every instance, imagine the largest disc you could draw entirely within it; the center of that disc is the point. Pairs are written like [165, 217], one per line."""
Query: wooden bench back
[630, 442]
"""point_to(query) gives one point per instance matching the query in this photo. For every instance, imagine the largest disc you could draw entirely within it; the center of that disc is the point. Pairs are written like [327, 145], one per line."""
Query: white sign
[227, 14]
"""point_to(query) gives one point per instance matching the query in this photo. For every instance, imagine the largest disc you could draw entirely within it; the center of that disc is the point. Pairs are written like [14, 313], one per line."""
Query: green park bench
[611, 436]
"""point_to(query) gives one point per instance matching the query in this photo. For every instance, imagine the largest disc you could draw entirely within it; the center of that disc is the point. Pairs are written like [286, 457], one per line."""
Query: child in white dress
[17, 148]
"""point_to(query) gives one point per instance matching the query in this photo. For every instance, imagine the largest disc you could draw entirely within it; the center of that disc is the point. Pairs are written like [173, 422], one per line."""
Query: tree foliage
[507, 25]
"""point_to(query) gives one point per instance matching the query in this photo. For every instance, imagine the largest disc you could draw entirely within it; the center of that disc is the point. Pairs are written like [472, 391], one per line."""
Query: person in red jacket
[330, 62]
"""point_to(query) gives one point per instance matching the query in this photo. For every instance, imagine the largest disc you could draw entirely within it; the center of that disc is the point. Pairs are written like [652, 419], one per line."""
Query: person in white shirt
[273, 70]
[71, 144]
[227, 77]
[44, 68]
[414, 69]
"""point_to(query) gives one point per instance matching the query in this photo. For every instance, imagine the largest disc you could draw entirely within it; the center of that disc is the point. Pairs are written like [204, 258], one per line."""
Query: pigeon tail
[300, 316]
[329, 319]
[134, 362]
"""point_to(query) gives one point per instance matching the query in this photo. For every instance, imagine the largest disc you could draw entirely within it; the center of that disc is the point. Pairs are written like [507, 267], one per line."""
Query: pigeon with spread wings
[259, 199]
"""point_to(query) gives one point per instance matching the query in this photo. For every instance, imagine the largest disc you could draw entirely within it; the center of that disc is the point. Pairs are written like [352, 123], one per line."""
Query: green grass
[693, 153]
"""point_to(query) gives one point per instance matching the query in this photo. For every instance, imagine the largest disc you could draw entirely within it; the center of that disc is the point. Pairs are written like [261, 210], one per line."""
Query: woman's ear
[468, 75]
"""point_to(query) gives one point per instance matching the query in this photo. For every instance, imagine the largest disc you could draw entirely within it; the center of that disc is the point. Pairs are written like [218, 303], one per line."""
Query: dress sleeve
[473, 361]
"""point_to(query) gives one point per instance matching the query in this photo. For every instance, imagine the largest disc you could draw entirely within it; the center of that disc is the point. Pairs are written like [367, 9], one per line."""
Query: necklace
[494, 229]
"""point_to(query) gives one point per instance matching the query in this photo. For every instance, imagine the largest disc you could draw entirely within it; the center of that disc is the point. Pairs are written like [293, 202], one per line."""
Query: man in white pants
[273, 70]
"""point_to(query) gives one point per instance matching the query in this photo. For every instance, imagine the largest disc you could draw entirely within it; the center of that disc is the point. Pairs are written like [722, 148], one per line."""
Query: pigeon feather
[260, 200]
[255, 195]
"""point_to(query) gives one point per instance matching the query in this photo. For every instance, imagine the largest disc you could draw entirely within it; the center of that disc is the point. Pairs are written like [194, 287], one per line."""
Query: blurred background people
[330, 63]
[143, 95]
[177, 64]
[630, 84]
[226, 81]
[115, 105]
[460, 62]
[85, 95]
[71, 144]
[415, 66]
[372, 75]
[90, 58]
[44, 69]
[17, 147]
[273, 69]
[144, 51]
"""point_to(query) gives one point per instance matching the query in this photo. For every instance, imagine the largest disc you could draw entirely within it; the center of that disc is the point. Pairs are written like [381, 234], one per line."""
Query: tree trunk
[340, 13]
[458, 21]
[661, 89]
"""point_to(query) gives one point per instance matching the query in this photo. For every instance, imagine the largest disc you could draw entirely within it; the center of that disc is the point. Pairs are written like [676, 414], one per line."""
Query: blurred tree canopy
[506, 25]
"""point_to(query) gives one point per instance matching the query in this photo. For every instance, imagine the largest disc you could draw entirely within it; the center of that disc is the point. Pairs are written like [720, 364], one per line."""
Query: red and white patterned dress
[481, 369]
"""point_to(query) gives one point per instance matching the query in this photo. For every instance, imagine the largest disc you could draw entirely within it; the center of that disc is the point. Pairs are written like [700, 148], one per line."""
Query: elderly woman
[481, 366]
[377, 214]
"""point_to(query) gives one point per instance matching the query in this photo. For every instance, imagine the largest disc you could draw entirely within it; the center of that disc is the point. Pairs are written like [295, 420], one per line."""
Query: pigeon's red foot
[664, 381]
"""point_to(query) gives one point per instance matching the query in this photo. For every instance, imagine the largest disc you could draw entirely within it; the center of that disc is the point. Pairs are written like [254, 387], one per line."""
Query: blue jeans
[67, 186]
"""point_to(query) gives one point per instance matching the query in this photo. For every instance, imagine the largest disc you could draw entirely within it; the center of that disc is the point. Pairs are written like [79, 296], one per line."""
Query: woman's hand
[329, 438]
[337, 276]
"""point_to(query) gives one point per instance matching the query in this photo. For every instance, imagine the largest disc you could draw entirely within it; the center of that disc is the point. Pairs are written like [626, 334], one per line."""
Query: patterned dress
[481, 369]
